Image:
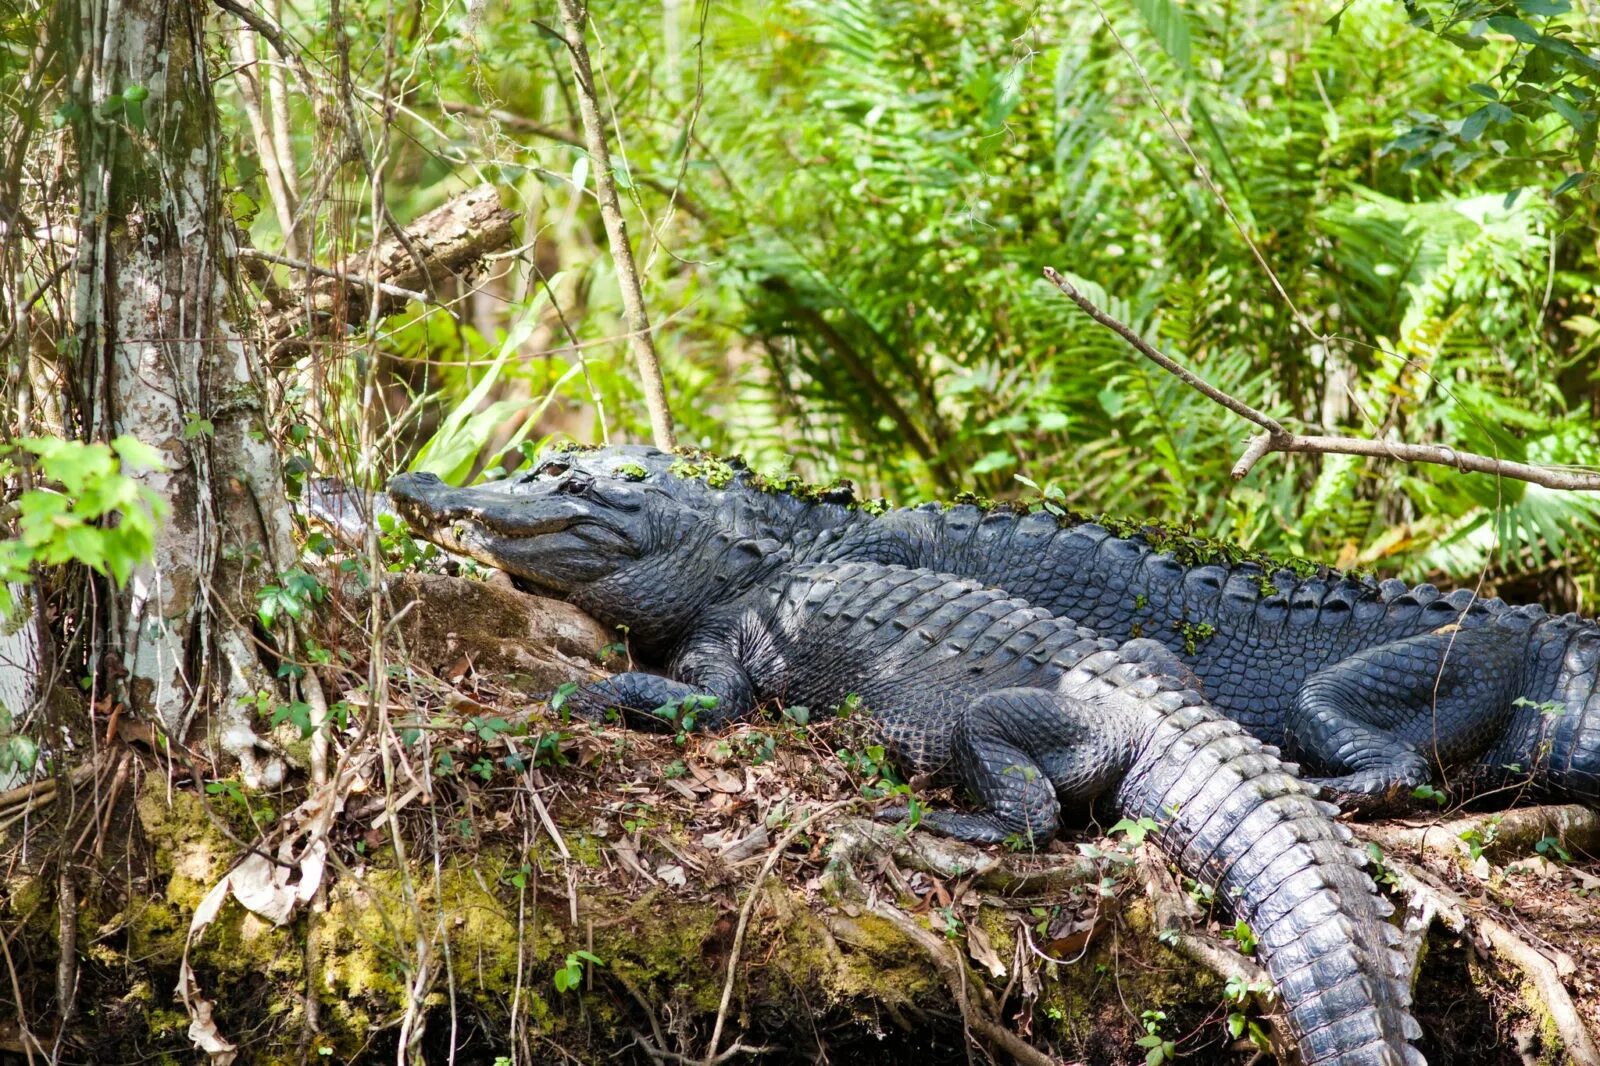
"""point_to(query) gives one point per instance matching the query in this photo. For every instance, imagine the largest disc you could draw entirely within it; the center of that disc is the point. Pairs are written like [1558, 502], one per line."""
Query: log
[451, 241]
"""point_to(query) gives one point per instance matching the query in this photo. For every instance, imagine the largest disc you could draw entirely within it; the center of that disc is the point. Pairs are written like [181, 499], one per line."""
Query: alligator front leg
[1021, 752]
[709, 688]
[1383, 720]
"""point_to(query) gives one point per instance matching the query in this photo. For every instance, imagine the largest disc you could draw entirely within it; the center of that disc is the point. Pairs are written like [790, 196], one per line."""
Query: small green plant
[1428, 792]
[1158, 1049]
[18, 753]
[294, 594]
[85, 508]
[1550, 847]
[1481, 839]
[1196, 634]
[1135, 831]
[560, 697]
[1380, 871]
[1242, 935]
[681, 714]
[1548, 708]
[1237, 992]
[570, 975]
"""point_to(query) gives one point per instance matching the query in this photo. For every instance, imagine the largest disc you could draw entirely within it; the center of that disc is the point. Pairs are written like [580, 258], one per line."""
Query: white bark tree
[159, 357]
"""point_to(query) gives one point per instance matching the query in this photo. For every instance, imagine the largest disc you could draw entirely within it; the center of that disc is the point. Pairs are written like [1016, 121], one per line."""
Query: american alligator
[1027, 711]
[1376, 687]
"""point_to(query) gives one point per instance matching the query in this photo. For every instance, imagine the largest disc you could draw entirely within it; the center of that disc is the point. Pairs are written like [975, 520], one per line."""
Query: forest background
[841, 211]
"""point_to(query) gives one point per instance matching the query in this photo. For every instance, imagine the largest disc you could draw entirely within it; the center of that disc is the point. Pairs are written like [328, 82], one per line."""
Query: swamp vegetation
[275, 791]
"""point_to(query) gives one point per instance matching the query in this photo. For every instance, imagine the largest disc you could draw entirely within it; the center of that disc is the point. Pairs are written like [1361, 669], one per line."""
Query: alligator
[1376, 687]
[1029, 712]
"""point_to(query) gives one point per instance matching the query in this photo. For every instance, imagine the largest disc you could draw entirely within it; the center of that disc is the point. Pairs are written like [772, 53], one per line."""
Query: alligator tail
[1236, 818]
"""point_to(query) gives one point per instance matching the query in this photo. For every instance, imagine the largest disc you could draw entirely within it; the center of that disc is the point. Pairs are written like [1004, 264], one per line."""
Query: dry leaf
[982, 951]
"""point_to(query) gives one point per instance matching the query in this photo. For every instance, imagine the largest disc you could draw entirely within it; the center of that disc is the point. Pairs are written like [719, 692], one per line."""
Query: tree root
[1012, 876]
[979, 1017]
[1000, 875]
[1430, 901]
[1172, 917]
[1575, 828]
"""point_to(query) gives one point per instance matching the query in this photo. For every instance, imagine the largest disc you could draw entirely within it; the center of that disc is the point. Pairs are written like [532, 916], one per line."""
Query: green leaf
[1515, 27]
[1538, 8]
[137, 454]
[1569, 182]
[1171, 29]
[1578, 120]
[1473, 125]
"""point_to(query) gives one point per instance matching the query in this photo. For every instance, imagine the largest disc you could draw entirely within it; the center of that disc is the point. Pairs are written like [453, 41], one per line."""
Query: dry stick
[1279, 439]
[573, 19]
[349, 279]
[749, 908]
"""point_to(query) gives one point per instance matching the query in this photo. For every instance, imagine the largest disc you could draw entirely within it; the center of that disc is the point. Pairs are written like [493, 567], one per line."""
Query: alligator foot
[974, 828]
[1375, 794]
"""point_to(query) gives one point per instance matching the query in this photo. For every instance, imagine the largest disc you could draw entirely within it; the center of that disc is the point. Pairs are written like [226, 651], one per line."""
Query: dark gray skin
[1376, 687]
[1032, 713]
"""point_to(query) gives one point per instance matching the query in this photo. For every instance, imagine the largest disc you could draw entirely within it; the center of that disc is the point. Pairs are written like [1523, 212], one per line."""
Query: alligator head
[631, 549]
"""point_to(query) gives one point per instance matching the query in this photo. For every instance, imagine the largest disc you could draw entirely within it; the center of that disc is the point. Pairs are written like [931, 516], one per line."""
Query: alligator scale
[1033, 714]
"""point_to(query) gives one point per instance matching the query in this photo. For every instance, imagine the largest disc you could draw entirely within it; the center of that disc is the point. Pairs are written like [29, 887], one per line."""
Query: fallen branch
[450, 240]
[1434, 901]
[1277, 438]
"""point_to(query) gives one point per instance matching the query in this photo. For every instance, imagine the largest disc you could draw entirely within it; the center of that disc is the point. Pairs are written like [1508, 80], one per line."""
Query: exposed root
[1172, 917]
[858, 838]
[784, 841]
[978, 1017]
[1575, 828]
[1001, 875]
[1431, 901]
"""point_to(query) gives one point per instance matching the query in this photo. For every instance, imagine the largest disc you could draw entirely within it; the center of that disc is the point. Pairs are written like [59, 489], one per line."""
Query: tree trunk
[159, 358]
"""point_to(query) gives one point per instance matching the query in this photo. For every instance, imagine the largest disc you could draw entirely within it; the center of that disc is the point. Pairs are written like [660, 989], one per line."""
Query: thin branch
[1279, 439]
[350, 279]
[574, 18]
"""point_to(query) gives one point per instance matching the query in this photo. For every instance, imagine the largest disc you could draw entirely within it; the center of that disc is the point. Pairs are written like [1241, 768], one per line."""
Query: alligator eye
[554, 468]
[576, 485]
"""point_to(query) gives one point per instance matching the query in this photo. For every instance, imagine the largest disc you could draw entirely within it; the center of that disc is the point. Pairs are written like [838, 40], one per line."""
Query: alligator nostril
[428, 478]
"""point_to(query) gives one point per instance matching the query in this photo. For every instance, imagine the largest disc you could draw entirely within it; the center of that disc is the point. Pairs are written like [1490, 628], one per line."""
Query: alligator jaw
[445, 514]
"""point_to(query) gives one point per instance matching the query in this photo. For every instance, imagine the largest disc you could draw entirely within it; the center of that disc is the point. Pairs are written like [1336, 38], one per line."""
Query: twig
[1279, 439]
[749, 908]
[350, 279]
[574, 17]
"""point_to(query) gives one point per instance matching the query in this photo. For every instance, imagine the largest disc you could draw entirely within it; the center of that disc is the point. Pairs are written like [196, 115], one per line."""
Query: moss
[1188, 545]
[631, 471]
[1195, 634]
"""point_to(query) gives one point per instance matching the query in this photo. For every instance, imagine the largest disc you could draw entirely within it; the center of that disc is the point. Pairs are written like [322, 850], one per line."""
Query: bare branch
[1279, 439]
[574, 18]
[1145, 349]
